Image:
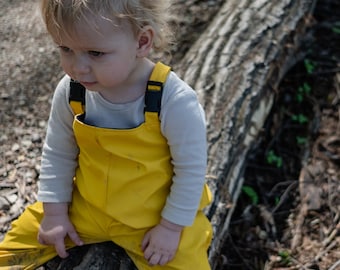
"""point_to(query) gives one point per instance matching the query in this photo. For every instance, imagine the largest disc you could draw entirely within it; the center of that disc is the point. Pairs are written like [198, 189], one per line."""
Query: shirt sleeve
[60, 151]
[183, 124]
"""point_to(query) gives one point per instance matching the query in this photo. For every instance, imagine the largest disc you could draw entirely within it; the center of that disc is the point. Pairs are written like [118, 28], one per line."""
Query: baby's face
[99, 54]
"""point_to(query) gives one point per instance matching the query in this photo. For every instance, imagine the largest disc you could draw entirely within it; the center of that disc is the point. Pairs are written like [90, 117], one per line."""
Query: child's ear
[145, 41]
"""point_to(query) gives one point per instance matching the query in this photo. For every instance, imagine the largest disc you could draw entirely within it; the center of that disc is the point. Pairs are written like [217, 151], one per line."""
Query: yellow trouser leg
[20, 248]
[191, 254]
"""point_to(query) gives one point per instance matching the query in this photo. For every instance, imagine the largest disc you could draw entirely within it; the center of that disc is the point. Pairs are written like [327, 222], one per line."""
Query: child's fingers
[41, 240]
[60, 248]
[164, 260]
[157, 258]
[154, 259]
[148, 253]
[145, 241]
[75, 238]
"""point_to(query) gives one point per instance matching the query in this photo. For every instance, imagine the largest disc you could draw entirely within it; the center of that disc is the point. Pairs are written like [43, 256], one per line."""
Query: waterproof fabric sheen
[125, 173]
[121, 185]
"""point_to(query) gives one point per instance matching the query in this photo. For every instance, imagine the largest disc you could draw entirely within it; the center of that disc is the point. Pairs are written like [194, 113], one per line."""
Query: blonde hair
[61, 15]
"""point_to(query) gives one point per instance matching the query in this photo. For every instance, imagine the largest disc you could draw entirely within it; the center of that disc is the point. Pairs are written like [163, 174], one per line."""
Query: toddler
[124, 158]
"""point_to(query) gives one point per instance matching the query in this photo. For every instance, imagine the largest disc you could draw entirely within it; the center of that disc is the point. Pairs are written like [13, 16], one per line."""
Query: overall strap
[77, 97]
[154, 89]
[153, 94]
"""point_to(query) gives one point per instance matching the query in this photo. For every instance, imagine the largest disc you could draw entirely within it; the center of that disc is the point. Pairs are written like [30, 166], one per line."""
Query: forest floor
[288, 215]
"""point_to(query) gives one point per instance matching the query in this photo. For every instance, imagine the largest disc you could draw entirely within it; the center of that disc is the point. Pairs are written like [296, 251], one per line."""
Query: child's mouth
[88, 84]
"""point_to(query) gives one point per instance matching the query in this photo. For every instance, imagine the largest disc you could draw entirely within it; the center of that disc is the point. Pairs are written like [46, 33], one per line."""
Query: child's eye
[64, 49]
[95, 53]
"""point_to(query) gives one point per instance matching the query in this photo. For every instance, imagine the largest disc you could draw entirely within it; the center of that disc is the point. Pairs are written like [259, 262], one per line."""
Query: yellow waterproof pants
[121, 186]
[21, 250]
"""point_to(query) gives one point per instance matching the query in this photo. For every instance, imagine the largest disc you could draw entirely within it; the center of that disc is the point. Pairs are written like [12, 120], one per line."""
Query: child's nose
[80, 65]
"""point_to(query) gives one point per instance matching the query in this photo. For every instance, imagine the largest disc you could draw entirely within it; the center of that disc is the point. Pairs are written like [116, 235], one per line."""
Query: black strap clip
[153, 98]
[77, 92]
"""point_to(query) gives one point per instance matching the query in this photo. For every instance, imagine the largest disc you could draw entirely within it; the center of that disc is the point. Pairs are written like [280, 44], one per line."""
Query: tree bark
[235, 66]
[101, 256]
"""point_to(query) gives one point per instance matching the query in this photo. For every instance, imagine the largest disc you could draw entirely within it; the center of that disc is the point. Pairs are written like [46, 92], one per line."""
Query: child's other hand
[53, 230]
[161, 242]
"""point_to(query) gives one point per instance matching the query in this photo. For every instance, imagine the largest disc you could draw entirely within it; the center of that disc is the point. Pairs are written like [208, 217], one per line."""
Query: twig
[277, 185]
[337, 87]
[298, 229]
[284, 196]
[324, 251]
[325, 72]
[239, 253]
[300, 265]
[335, 265]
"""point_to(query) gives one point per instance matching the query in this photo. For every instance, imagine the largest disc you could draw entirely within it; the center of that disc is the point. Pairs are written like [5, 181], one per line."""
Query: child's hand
[161, 242]
[54, 228]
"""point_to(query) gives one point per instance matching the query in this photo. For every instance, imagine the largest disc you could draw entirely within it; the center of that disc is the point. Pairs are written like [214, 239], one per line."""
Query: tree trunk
[235, 66]
[101, 256]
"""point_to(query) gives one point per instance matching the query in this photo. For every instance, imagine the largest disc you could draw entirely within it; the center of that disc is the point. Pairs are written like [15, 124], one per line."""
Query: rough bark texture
[100, 256]
[235, 66]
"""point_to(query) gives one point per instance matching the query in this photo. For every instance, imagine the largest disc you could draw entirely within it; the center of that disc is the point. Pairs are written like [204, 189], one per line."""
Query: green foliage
[300, 118]
[303, 91]
[273, 159]
[285, 257]
[336, 27]
[301, 140]
[336, 30]
[251, 193]
[309, 65]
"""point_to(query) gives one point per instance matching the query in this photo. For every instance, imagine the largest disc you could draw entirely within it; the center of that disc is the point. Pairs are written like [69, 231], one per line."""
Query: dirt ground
[288, 215]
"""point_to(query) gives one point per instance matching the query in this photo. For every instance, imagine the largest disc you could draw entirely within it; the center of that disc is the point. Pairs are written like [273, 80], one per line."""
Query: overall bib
[120, 188]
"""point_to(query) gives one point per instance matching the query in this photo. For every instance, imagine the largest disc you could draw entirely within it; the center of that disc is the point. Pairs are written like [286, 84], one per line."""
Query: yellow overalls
[121, 185]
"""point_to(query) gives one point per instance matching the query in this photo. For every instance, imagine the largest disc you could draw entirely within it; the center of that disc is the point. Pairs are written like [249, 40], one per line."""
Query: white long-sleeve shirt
[182, 123]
